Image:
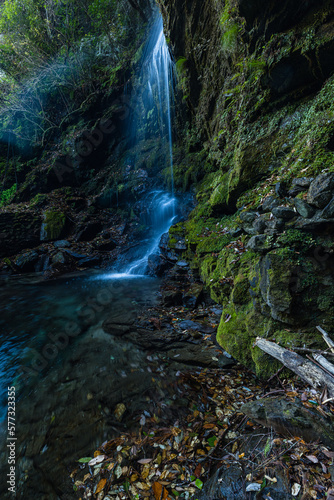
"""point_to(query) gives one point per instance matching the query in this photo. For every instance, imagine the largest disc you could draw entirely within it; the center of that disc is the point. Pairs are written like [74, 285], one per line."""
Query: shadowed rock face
[268, 68]
[275, 16]
[18, 231]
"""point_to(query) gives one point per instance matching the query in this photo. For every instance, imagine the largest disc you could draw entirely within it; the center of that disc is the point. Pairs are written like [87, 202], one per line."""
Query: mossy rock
[220, 195]
[54, 224]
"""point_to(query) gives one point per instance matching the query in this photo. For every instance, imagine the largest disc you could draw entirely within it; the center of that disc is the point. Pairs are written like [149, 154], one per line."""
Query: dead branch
[326, 338]
[308, 371]
[324, 363]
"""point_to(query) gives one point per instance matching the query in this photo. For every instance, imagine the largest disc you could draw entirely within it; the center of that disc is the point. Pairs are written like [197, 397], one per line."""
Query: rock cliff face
[257, 79]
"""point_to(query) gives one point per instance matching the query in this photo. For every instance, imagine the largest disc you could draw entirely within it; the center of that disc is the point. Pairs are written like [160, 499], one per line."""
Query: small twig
[313, 351]
[274, 392]
[276, 374]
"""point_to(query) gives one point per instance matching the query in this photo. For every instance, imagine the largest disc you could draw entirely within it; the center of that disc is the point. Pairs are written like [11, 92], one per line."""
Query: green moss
[172, 242]
[39, 199]
[54, 224]
[181, 66]
[240, 294]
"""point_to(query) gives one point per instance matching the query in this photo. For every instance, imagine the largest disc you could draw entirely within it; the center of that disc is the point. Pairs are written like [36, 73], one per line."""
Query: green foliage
[231, 27]
[230, 37]
[293, 238]
[7, 195]
[54, 57]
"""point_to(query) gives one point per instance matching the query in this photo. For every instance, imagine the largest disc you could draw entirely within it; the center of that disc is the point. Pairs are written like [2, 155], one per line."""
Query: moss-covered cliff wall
[257, 80]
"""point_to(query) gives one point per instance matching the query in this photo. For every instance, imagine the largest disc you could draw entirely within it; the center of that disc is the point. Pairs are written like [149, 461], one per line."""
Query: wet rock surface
[292, 419]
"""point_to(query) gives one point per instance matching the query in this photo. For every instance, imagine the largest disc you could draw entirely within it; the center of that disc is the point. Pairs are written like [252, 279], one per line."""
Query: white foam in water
[120, 276]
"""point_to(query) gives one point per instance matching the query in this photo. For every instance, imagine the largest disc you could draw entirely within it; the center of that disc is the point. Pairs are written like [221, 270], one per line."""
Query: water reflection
[68, 371]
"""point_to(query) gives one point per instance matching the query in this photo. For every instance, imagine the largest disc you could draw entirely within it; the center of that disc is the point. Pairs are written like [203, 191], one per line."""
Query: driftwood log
[306, 370]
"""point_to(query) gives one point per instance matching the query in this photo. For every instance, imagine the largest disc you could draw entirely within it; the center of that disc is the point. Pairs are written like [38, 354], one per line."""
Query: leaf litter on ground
[173, 451]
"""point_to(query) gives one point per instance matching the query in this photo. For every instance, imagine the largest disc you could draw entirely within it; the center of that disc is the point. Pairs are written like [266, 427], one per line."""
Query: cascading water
[159, 216]
[152, 119]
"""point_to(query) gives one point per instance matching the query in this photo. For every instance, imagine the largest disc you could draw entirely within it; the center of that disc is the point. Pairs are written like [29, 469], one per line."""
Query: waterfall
[151, 118]
[161, 75]
[152, 105]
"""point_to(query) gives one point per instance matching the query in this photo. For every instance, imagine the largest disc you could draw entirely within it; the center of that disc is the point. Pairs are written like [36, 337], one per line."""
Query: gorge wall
[257, 82]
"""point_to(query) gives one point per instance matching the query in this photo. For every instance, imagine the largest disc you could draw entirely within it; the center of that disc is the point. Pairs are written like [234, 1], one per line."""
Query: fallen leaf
[295, 489]
[272, 479]
[313, 459]
[145, 460]
[100, 486]
[253, 487]
[199, 484]
[118, 471]
[198, 471]
[329, 454]
[98, 453]
[97, 460]
[159, 491]
[85, 460]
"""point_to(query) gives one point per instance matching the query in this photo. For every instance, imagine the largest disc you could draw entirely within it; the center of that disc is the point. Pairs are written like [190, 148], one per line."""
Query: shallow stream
[68, 372]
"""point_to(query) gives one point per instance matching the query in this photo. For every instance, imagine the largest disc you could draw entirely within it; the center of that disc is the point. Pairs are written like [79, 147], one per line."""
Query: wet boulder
[321, 190]
[59, 258]
[328, 211]
[120, 324]
[258, 243]
[165, 249]
[26, 261]
[105, 245]
[192, 297]
[304, 209]
[157, 265]
[181, 245]
[299, 185]
[91, 261]
[269, 203]
[259, 225]
[62, 244]
[291, 419]
[284, 213]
